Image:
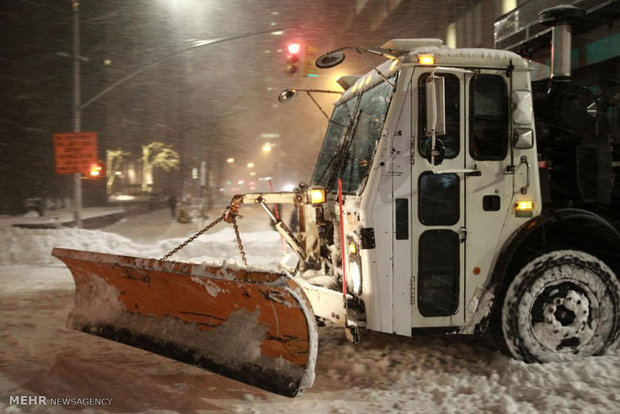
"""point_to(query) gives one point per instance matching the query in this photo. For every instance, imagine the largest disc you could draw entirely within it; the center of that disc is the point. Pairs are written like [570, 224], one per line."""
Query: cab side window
[488, 117]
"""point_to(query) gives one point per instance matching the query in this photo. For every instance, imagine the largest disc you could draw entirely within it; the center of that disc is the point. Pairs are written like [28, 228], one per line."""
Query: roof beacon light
[426, 59]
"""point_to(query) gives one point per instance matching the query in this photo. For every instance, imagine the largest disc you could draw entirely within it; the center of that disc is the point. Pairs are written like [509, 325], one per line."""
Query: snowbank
[33, 246]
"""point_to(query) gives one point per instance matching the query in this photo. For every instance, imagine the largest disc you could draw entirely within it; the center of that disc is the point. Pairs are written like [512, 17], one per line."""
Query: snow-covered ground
[384, 373]
[56, 218]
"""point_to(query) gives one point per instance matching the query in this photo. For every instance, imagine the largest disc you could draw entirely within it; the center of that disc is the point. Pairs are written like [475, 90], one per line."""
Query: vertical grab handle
[527, 174]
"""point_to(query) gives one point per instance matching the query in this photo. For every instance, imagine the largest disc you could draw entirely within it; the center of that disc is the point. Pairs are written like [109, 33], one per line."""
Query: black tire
[561, 306]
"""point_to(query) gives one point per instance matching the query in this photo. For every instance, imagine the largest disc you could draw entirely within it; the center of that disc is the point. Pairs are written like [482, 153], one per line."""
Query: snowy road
[384, 373]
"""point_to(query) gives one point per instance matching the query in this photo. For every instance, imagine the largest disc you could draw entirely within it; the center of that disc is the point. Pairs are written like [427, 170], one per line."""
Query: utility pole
[77, 110]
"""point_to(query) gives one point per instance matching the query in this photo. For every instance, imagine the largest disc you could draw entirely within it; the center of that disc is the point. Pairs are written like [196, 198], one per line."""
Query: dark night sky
[33, 93]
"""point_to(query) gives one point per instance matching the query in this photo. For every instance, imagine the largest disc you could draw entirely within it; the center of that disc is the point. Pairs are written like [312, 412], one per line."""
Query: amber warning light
[317, 195]
[352, 248]
[95, 170]
[524, 208]
[426, 59]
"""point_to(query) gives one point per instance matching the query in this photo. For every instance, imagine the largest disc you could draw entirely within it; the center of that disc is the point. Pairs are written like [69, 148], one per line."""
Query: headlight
[356, 277]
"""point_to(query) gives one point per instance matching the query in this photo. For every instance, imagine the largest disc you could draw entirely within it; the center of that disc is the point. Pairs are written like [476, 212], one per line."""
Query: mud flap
[252, 326]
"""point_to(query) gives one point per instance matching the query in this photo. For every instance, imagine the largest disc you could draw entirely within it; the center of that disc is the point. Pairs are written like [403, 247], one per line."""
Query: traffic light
[293, 57]
[294, 48]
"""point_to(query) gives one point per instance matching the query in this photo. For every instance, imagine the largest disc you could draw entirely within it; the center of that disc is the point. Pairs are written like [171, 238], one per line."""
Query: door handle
[467, 172]
[527, 174]
[463, 234]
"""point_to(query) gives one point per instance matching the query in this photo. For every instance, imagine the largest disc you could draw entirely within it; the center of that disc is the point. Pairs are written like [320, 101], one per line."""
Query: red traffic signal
[294, 48]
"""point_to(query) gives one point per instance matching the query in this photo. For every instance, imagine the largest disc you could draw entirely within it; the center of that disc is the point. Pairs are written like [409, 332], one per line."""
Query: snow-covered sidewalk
[57, 218]
[382, 374]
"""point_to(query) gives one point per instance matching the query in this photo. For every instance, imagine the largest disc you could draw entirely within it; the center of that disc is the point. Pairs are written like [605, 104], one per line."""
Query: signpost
[75, 152]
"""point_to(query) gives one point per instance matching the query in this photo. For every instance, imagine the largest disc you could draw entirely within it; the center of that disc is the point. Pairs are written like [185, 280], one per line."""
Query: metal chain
[239, 244]
[228, 216]
[194, 237]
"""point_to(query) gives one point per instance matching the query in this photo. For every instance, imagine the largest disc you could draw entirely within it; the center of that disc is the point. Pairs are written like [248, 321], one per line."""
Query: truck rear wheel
[563, 305]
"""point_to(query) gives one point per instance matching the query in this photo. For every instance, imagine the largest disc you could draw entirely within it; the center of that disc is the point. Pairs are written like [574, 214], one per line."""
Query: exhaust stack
[561, 18]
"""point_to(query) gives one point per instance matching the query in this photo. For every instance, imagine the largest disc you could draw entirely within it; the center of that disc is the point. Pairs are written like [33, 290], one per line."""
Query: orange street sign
[75, 152]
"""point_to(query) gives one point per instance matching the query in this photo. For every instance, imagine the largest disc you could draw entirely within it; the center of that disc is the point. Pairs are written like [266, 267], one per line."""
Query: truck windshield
[358, 154]
[341, 117]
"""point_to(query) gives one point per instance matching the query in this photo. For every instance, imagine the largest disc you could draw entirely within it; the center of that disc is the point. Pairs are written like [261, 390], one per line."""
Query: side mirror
[523, 138]
[287, 95]
[329, 60]
[435, 105]
[522, 112]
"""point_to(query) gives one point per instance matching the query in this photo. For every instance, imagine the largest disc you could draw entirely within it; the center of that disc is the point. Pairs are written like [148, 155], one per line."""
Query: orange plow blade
[253, 326]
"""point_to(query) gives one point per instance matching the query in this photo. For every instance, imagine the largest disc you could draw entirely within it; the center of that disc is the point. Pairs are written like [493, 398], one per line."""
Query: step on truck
[430, 206]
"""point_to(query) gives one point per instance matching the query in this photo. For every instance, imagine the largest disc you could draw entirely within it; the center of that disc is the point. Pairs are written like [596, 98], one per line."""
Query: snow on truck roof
[406, 52]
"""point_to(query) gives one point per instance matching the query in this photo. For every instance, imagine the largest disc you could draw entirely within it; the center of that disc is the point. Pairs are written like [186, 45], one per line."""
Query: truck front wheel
[563, 305]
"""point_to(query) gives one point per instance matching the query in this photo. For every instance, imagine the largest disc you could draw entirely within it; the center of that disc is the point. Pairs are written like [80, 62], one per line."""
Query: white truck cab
[434, 157]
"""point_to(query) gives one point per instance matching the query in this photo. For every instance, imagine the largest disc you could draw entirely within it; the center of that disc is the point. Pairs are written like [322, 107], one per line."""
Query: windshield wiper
[342, 153]
[343, 133]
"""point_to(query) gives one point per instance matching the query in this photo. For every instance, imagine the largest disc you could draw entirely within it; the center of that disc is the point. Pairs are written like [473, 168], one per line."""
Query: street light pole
[77, 111]
[197, 44]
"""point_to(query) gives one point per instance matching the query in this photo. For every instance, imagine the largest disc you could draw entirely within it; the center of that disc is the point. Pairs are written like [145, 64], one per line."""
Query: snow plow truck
[432, 205]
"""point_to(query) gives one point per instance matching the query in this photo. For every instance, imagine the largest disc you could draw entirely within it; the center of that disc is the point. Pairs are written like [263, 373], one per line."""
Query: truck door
[488, 191]
[457, 211]
[438, 221]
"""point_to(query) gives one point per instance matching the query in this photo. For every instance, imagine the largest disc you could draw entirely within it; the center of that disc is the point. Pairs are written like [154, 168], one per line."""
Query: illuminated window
[451, 36]
[508, 5]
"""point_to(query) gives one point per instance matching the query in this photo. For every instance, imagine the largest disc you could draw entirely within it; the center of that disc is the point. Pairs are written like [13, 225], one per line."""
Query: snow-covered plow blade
[256, 327]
